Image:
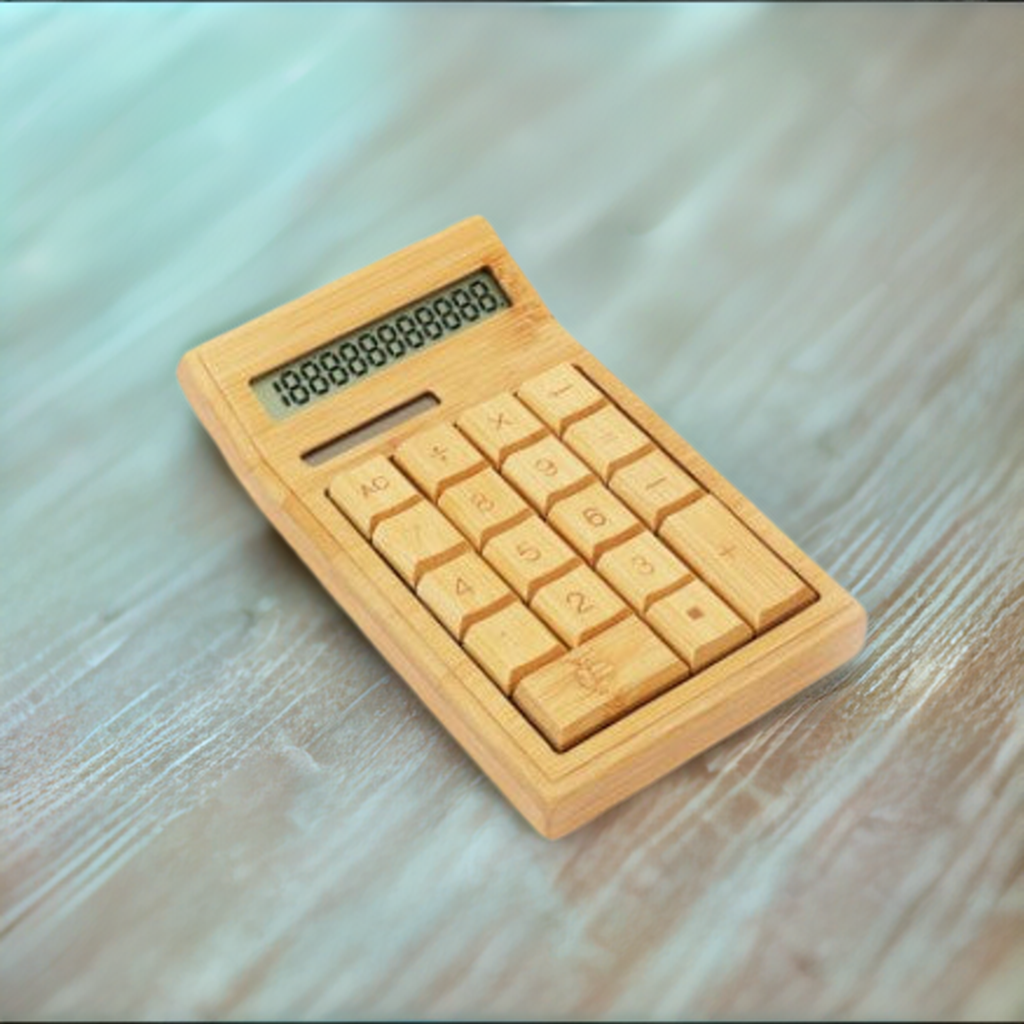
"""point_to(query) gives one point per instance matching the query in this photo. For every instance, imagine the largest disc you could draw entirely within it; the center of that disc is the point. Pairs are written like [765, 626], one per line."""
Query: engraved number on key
[482, 502]
[595, 517]
[578, 602]
[528, 552]
[546, 466]
[643, 565]
[462, 587]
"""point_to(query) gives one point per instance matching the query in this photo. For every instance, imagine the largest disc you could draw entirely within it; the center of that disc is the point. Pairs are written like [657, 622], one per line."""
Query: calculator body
[288, 462]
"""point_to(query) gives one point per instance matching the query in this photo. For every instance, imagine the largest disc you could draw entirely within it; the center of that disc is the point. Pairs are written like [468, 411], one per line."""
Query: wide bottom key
[598, 682]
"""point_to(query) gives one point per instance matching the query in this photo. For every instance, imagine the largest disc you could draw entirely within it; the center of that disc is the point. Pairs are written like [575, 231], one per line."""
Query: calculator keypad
[583, 569]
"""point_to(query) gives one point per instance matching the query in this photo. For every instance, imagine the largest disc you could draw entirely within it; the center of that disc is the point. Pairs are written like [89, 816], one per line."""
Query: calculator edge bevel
[555, 792]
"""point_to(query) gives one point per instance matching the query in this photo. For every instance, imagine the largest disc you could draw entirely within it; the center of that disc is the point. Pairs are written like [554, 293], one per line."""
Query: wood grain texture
[797, 234]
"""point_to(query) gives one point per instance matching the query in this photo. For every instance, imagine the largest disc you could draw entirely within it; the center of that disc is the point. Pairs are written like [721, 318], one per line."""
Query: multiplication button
[501, 426]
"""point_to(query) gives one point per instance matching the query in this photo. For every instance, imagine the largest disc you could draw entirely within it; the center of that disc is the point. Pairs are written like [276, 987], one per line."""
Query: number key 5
[530, 555]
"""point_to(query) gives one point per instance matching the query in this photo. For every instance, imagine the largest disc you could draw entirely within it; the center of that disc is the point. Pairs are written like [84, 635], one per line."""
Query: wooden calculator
[569, 587]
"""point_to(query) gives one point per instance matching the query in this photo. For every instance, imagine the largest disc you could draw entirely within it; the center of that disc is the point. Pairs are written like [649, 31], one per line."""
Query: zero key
[591, 686]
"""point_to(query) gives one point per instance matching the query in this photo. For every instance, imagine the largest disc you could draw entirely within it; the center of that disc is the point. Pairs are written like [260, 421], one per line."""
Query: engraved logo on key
[590, 673]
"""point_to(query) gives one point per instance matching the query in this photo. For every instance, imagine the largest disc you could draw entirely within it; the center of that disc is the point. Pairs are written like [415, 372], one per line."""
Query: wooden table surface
[797, 233]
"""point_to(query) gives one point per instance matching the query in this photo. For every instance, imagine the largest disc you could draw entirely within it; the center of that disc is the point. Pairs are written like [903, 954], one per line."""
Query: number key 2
[579, 605]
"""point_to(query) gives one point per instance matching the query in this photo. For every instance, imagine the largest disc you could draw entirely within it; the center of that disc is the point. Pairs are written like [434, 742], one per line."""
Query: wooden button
[510, 644]
[500, 426]
[643, 570]
[606, 440]
[438, 457]
[370, 491]
[578, 605]
[697, 624]
[462, 591]
[418, 539]
[587, 689]
[561, 396]
[753, 579]
[654, 487]
[482, 506]
[594, 520]
[546, 472]
[530, 555]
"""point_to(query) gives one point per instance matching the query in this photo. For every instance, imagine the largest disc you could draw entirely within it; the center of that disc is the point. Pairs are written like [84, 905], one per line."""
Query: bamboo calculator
[571, 589]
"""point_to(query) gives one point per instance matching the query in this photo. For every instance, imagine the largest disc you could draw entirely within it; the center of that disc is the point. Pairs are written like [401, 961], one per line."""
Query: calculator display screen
[353, 357]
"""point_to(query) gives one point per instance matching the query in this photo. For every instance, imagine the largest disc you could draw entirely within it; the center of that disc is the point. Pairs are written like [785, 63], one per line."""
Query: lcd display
[374, 347]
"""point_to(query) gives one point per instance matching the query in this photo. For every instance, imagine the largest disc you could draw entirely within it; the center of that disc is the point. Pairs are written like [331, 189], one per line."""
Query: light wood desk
[797, 233]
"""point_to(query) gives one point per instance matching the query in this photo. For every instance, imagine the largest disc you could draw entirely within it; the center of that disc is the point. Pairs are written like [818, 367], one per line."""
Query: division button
[438, 457]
